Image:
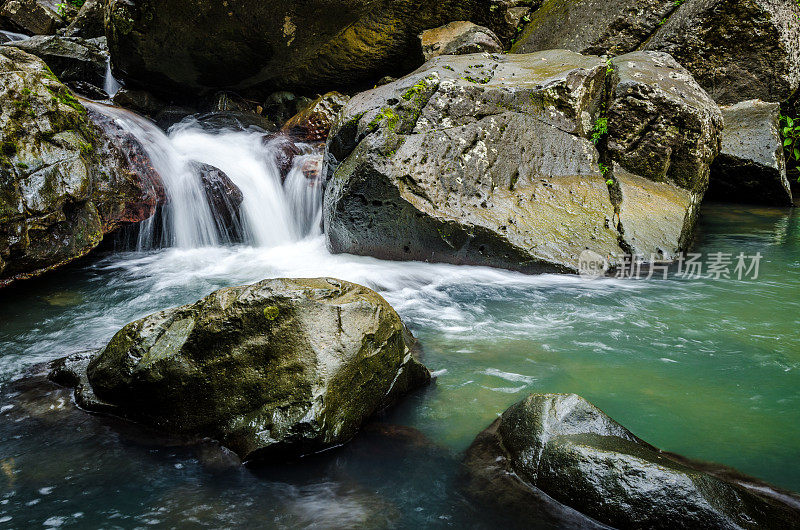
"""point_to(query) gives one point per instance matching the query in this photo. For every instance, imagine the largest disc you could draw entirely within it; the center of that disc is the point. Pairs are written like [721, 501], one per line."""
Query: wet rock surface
[483, 159]
[61, 186]
[313, 123]
[224, 199]
[751, 167]
[279, 367]
[559, 448]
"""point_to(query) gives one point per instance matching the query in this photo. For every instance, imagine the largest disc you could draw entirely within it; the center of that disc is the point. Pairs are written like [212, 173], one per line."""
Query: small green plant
[64, 7]
[610, 65]
[600, 129]
[790, 132]
[604, 169]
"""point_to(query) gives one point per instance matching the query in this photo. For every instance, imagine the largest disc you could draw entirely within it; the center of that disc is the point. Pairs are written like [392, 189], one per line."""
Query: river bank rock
[751, 167]
[487, 160]
[663, 134]
[279, 367]
[593, 27]
[182, 45]
[458, 38]
[563, 448]
[61, 186]
[37, 17]
[89, 23]
[70, 58]
[736, 49]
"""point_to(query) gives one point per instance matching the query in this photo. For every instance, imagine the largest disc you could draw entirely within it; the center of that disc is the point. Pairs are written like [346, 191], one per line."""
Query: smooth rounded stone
[458, 38]
[89, 22]
[313, 123]
[751, 168]
[736, 49]
[281, 367]
[195, 47]
[139, 101]
[61, 187]
[38, 17]
[559, 448]
[70, 58]
[597, 27]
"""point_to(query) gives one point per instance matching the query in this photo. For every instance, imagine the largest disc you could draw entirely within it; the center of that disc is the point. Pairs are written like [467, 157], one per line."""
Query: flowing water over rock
[720, 383]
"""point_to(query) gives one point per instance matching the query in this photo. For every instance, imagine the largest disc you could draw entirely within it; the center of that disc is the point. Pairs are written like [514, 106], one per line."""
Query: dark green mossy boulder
[279, 367]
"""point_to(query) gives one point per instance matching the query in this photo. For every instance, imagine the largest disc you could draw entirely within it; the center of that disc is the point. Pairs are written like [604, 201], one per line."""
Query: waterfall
[13, 37]
[272, 212]
[110, 84]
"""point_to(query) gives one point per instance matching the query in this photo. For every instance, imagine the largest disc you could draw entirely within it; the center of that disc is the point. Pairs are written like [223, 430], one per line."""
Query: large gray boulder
[751, 168]
[71, 59]
[63, 184]
[597, 27]
[191, 46]
[474, 159]
[486, 160]
[560, 447]
[736, 49]
[278, 367]
[664, 133]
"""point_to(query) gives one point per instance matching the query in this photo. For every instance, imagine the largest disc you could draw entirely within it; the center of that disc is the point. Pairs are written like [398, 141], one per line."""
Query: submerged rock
[487, 160]
[751, 167]
[458, 38]
[61, 187]
[279, 367]
[559, 447]
[71, 59]
[195, 47]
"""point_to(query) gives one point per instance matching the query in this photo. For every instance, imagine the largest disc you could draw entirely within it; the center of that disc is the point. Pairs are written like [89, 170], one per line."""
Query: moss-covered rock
[561, 447]
[61, 185]
[279, 367]
[197, 46]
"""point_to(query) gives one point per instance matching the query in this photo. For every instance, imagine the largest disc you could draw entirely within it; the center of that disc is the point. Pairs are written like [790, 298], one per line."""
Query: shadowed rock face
[559, 447]
[278, 367]
[751, 167]
[63, 184]
[190, 46]
[484, 159]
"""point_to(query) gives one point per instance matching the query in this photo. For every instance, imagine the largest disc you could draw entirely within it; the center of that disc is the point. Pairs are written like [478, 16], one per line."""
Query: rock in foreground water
[279, 367]
[562, 446]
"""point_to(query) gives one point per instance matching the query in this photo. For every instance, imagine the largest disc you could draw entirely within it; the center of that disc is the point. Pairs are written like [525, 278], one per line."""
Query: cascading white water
[110, 84]
[14, 37]
[272, 212]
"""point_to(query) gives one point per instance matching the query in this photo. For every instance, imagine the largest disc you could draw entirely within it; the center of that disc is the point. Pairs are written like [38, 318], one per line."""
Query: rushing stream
[707, 368]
